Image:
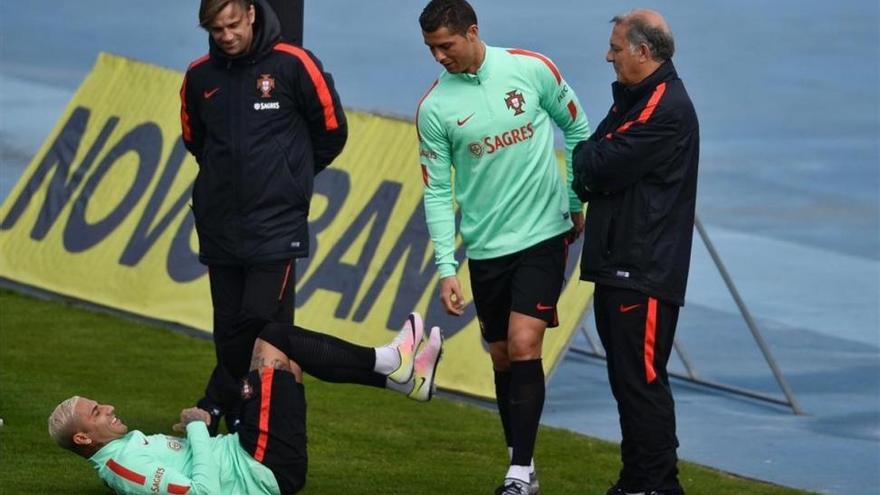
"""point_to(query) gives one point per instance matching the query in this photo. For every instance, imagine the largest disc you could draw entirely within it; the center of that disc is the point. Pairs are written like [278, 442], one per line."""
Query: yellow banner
[101, 214]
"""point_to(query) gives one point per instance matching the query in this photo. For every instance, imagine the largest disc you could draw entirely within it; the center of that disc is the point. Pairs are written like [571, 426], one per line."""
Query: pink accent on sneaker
[425, 367]
[407, 341]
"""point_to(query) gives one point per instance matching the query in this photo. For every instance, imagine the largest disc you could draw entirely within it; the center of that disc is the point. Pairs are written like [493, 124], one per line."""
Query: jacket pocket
[608, 237]
[292, 178]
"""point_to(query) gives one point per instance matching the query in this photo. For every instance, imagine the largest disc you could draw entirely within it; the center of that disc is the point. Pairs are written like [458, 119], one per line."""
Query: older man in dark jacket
[638, 172]
[261, 118]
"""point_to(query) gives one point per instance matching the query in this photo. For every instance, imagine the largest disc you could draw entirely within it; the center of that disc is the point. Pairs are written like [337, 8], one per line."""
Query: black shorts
[528, 282]
[273, 425]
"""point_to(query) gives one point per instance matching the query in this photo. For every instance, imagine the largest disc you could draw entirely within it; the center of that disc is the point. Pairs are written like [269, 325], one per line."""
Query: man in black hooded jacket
[638, 172]
[261, 118]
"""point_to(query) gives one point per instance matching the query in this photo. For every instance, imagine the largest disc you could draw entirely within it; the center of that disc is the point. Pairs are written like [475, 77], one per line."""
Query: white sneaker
[425, 367]
[513, 486]
[406, 343]
[534, 484]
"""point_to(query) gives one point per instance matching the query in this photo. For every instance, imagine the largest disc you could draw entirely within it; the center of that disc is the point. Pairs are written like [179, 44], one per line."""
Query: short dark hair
[659, 40]
[209, 9]
[455, 15]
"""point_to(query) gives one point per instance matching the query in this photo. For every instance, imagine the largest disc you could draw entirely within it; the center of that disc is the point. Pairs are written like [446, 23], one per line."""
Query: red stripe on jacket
[126, 473]
[542, 58]
[177, 489]
[572, 109]
[646, 112]
[324, 96]
[185, 127]
[419, 108]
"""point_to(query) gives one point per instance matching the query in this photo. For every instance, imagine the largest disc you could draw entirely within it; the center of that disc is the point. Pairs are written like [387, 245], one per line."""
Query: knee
[298, 486]
[500, 357]
[525, 345]
[525, 337]
[275, 334]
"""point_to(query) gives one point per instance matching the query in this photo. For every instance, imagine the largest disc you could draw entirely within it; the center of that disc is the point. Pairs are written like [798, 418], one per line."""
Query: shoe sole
[433, 387]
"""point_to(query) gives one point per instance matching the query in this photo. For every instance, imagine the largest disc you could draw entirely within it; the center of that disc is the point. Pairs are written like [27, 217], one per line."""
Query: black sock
[502, 398]
[325, 357]
[526, 404]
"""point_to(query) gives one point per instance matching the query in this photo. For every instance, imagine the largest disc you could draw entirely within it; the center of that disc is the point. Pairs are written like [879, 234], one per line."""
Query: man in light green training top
[489, 117]
[267, 454]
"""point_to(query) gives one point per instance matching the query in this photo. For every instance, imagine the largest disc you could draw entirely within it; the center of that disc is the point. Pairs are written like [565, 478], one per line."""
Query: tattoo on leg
[259, 362]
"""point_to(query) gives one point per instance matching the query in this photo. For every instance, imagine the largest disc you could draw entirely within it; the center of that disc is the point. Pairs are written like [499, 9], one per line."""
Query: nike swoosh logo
[543, 307]
[146, 442]
[419, 386]
[208, 94]
[627, 309]
[463, 121]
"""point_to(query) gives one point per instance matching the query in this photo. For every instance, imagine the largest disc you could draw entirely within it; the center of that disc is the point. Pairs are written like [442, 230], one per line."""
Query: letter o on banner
[146, 141]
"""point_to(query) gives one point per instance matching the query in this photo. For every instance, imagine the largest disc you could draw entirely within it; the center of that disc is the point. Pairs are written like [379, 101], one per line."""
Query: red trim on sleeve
[542, 58]
[265, 405]
[652, 103]
[646, 112]
[572, 109]
[330, 122]
[177, 489]
[126, 473]
[419, 108]
[186, 128]
[199, 61]
[425, 174]
[650, 337]
[284, 282]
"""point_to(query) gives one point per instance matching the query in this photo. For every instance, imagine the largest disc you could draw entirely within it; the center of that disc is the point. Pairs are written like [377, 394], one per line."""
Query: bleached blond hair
[62, 423]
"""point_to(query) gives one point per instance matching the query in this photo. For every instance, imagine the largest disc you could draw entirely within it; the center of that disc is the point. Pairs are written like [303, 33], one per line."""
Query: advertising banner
[102, 214]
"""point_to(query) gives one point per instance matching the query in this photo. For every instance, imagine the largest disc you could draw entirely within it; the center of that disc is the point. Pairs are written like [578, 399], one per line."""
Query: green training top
[494, 129]
[137, 464]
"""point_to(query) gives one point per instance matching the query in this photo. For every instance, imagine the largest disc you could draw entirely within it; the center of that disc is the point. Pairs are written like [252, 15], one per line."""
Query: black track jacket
[638, 172]
[260, 126]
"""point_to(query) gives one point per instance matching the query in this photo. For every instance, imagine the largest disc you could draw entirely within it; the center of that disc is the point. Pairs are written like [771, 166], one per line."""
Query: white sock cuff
[387, 360]
[510, 456]
[518, 472]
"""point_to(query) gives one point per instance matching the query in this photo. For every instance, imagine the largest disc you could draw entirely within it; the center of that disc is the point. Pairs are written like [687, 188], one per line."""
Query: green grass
[361, 440]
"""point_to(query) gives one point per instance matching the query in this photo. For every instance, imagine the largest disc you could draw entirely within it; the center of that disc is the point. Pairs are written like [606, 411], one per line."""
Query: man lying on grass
[268, 453]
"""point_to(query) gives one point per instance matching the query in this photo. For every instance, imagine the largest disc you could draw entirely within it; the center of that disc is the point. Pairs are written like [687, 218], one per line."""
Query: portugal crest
[265, 84]
[247, 390]
[515, 101]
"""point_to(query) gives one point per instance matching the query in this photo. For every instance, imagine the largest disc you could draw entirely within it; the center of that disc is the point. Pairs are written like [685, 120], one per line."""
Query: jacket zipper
[236, 106]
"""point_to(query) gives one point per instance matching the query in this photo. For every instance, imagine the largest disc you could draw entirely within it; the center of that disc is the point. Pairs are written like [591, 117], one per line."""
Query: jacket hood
[267, 32]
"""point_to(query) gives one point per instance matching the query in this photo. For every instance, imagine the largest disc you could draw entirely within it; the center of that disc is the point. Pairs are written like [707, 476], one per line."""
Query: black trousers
[273, 425]
[637, 332]
[241, 294]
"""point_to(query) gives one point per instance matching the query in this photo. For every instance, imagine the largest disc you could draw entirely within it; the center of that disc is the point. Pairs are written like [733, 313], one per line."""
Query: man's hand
[450, 296]
[190, 415]
[579, 188]
[577, 218]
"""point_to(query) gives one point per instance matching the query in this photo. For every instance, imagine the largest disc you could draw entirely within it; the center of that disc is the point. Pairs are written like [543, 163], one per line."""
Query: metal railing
[691, 374]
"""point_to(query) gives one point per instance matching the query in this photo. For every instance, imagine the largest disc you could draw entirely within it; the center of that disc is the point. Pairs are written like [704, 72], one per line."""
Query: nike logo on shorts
[627, 309]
